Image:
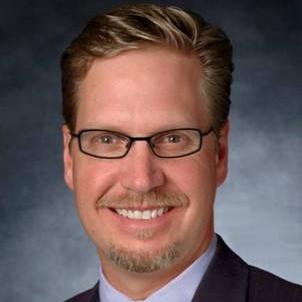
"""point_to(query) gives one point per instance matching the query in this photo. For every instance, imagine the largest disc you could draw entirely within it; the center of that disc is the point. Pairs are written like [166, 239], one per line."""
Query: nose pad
[140, 170]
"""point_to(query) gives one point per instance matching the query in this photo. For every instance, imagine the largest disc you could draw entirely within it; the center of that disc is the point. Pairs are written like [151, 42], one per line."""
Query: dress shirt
[179, 289]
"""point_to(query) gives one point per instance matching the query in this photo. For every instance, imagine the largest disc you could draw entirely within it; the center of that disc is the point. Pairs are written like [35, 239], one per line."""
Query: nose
[140, 169]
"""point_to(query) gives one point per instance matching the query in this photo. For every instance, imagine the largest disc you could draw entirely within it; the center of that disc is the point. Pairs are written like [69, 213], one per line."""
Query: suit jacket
[229, 279]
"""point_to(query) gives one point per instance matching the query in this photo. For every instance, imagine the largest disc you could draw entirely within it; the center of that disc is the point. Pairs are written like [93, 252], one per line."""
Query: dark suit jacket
[229, 279]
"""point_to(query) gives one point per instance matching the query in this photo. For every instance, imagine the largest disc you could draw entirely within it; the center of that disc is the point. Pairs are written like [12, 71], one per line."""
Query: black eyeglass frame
[143, 138]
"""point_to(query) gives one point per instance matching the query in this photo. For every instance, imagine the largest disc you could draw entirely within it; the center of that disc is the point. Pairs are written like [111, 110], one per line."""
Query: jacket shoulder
[90, 295]
[264, 286]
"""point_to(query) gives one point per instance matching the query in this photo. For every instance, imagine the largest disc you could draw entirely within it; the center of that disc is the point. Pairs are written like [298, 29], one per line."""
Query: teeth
[137, 215]
[145, 215]
[154, 214]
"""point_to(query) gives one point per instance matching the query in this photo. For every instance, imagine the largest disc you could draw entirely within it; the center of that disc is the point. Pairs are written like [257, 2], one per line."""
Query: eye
[102, 138]
[172, 138]
[106, 139]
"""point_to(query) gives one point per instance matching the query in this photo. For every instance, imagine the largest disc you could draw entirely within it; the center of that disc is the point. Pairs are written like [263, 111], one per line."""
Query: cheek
[197, 179]
[92, 178]
[195, 176]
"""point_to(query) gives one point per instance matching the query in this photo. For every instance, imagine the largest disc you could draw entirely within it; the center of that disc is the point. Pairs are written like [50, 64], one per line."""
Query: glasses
[167, 144]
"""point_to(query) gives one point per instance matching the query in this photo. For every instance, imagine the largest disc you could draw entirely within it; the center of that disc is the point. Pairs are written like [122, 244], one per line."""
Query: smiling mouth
[142, 214]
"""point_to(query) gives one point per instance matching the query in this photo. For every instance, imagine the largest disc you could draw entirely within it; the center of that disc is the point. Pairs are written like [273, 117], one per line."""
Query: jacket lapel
[226, 278]
[94, 297]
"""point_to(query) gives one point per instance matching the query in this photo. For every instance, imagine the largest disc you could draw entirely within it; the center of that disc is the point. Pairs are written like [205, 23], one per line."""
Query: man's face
[139, 93]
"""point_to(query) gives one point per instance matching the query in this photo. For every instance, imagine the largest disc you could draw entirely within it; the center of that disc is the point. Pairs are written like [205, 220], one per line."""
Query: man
[146, 100]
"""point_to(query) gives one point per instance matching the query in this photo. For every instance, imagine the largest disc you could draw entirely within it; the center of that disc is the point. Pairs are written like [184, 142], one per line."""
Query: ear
[222, 155]
[67, 157]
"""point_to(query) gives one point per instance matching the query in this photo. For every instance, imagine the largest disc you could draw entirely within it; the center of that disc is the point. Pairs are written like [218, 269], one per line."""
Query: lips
[142, 214]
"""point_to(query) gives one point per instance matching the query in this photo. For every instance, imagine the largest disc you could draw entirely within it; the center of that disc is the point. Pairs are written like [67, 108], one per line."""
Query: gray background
[45, 256]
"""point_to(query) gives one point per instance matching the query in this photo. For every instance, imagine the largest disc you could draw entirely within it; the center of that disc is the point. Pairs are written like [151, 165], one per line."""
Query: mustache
[132, 199]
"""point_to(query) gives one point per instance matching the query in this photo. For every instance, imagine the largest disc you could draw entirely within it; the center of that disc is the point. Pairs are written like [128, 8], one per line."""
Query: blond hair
[136, 26]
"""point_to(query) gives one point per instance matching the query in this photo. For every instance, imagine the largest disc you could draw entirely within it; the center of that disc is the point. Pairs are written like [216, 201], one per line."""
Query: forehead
[147, 89]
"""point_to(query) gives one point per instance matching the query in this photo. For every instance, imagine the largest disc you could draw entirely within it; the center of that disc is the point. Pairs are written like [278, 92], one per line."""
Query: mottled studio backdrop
[45, 255]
